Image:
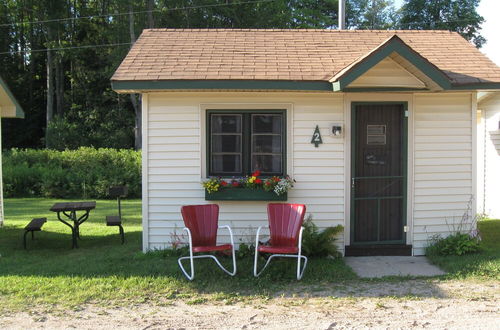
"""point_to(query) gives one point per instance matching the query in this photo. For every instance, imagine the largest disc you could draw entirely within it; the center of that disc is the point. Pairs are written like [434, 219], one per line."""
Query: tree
[454, 15]
[371, 14]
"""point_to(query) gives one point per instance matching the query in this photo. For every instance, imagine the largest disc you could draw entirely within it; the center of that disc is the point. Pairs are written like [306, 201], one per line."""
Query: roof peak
[297, 30]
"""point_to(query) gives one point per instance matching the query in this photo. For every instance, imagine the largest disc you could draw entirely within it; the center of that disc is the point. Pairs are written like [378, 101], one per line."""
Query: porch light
[337, 130]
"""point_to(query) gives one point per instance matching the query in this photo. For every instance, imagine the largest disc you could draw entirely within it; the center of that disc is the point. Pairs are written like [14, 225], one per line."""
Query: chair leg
[122, 234]
[24, 239]
[299, 272]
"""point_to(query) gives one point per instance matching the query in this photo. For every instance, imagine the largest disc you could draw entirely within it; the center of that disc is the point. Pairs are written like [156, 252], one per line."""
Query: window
[241, 142]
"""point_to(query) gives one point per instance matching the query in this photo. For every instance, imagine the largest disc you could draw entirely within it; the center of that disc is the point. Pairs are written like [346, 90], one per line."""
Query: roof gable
[394, 47]
[388, 73]
[9, 107]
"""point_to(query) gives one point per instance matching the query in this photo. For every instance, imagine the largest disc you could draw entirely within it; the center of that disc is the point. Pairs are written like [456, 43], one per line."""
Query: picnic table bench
[34, 225]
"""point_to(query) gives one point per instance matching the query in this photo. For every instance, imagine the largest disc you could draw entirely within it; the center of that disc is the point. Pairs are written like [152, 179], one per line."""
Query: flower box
[244, 194]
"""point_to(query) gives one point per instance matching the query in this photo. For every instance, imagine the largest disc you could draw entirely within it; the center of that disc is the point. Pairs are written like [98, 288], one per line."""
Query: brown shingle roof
[304, 55]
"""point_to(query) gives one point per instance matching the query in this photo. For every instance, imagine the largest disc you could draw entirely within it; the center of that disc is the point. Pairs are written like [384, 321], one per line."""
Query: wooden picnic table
[69, 209]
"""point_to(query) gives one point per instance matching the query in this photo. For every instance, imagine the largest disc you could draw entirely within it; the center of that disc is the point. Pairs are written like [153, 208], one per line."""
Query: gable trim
[394, 44]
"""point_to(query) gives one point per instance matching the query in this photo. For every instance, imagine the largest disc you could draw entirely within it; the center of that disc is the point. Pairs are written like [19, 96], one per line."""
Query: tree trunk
[50, 95]
[59, 87]
[151, 22]
[134, 98]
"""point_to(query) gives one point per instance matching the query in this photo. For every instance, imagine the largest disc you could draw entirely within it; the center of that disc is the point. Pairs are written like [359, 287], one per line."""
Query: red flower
[223, 183]
[235, 183]
[256, 173]
[276, 179]
[268, 183]
[258, 181]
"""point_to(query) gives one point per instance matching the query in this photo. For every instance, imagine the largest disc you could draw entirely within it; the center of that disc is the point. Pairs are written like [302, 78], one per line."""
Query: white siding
[175, 160]
[441, 160]
[1, 174]
[443, 166]
[489, 158]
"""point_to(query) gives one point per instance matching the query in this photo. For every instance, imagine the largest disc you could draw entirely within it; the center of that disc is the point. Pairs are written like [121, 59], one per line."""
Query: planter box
[244, 194]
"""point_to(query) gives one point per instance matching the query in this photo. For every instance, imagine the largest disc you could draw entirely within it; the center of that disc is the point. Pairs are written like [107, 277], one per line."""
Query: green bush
[454, 245]
[81, 173]
[319, 244]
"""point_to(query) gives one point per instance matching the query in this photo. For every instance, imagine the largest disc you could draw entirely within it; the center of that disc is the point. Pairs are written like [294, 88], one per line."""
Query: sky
[489, 9]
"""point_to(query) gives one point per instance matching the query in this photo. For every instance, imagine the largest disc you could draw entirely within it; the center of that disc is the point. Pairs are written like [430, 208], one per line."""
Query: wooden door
[378, 182]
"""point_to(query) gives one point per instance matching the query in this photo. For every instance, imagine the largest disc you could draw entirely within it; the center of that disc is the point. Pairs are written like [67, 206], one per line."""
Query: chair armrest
[190, 240]
[230, 233]
[257, 235]
[300, 239]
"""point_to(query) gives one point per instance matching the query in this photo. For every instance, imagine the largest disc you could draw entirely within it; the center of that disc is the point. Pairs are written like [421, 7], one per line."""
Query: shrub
[319, 244]
[81, 173]
[464, 237]
[456, 244]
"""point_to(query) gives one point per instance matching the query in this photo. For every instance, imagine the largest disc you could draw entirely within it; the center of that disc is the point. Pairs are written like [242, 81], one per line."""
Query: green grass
[103, 271]
[483, 265]
[53, 276]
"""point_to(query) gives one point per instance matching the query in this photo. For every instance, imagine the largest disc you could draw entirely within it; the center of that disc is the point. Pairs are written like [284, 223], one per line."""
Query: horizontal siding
[491, 134]
[443, 164]
[175, 160]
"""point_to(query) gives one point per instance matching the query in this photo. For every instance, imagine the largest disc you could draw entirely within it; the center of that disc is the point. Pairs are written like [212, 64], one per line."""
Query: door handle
[352, 183]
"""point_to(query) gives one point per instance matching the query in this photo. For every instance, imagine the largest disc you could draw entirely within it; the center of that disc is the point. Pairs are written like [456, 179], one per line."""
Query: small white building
[9, 108]
[396, 110]
[489, 154]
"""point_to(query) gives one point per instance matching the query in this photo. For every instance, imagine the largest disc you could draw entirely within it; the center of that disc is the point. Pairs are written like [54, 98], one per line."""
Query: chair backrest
[118, 191]
[202, 221]
[285, 221]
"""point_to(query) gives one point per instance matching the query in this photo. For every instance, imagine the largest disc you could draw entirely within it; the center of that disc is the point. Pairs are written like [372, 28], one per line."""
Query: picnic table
[68, 210]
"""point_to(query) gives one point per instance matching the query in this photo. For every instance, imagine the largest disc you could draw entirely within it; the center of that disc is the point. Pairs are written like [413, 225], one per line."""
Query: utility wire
[64, 48]
[136, 12]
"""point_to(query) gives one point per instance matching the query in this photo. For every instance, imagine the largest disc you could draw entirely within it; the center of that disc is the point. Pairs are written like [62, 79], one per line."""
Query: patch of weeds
[197, 301]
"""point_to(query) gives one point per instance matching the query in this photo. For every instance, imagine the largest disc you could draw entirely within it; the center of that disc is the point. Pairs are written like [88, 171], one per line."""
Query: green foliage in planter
[81, 173]
[319, 244]
[454, 245]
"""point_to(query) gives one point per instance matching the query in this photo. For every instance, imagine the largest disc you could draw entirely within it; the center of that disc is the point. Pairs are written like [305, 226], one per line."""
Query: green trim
[383, 89]
[222, 84]
[246, 134]
[244, 194]
[404, 176]
[395, 44]
[477, 86]
[19, 109]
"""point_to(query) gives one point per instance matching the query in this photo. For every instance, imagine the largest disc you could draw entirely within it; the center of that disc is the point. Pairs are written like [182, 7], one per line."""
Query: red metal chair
[201, 225]
[285, 225]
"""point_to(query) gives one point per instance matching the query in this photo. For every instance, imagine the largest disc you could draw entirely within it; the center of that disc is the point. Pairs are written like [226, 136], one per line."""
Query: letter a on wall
[316, 139]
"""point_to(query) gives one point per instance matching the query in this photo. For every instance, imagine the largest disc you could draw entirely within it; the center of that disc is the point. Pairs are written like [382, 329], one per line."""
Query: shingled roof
[290, 55]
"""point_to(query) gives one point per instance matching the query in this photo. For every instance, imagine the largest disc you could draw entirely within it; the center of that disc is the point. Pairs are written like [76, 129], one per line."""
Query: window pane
[266, 143]
[267, 163]
[226, 123]
[226, 164]
[226, 143]
[267, 124]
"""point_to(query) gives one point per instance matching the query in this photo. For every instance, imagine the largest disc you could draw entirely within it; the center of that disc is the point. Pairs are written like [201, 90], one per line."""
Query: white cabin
[396, 111]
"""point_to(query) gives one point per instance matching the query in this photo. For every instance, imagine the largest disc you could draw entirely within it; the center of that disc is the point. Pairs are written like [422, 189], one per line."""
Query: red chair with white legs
[285, 226]
[201, 226]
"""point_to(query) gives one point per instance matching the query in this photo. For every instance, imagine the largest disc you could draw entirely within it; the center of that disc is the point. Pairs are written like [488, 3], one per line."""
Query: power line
[64, 48]
[136, 12]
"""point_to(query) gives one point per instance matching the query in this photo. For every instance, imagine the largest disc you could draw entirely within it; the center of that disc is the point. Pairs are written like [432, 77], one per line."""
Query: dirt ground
[397, 305]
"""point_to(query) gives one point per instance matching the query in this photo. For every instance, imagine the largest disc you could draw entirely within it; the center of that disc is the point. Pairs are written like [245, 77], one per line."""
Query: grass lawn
[483, 265]
[104, 272]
